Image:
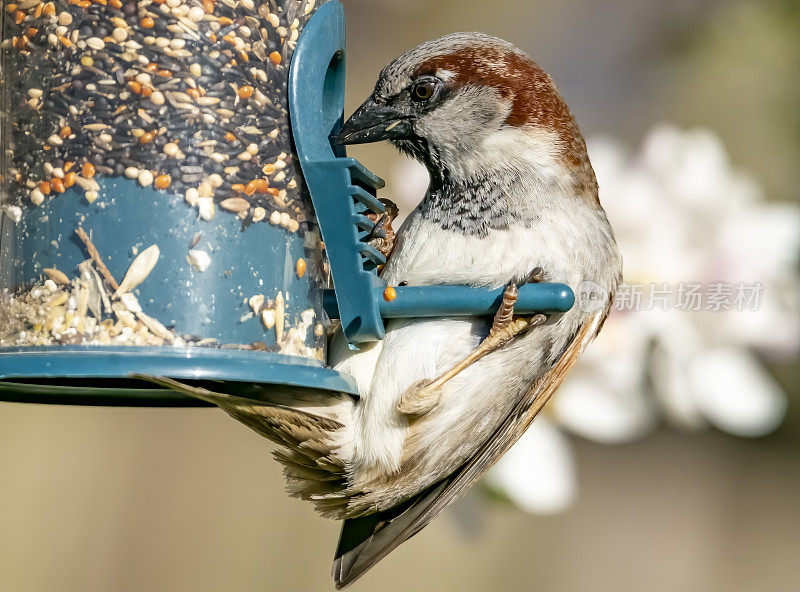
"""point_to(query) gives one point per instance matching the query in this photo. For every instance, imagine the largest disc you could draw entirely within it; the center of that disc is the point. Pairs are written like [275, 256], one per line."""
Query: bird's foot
[424, 395]
[382, 236]
[505, 326]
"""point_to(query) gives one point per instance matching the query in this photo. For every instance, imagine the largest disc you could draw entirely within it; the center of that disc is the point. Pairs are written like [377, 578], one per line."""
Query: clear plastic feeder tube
[150, 194]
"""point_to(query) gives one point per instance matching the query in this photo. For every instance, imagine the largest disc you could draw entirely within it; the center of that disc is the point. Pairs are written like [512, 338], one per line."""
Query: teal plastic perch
[438, 301]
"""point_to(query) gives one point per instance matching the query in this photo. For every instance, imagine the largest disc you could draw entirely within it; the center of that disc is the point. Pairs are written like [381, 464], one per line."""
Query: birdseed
[169, 93]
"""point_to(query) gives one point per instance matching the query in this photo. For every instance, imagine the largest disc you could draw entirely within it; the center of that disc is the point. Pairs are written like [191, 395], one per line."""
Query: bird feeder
[173, 204]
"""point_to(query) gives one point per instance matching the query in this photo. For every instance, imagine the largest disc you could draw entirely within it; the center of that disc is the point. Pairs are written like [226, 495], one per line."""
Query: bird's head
[468, 102]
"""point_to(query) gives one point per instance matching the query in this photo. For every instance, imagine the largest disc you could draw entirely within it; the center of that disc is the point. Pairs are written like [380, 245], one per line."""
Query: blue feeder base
[91, 375]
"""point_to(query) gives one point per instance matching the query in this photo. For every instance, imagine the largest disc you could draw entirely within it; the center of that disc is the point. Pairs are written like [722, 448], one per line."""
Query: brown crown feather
[535, 100]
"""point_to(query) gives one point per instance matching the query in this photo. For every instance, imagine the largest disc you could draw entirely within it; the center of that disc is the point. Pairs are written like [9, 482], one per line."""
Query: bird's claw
[382, 236]
[536, 276]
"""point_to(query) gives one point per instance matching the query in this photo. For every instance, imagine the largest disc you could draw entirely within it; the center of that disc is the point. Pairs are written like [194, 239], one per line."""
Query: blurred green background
[187, 500]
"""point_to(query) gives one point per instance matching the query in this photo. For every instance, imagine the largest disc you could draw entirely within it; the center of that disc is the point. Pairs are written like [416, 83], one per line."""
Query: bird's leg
[424, 395]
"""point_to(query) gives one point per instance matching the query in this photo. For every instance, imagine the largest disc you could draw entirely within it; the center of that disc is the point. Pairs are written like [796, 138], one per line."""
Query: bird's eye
[423, 90]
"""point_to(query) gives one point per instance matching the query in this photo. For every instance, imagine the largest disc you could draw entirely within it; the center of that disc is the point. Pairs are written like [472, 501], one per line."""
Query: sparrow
[512, 199]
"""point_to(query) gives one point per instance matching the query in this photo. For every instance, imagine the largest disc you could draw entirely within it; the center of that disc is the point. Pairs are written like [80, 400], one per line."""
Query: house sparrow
[512, 194]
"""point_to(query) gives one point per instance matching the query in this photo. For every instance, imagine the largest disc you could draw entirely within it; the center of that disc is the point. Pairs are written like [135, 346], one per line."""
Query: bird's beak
[373, 122]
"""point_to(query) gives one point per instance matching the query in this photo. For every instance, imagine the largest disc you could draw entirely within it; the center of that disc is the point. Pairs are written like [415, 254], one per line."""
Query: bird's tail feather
[303, 422]
[185, 389]
[366, 540]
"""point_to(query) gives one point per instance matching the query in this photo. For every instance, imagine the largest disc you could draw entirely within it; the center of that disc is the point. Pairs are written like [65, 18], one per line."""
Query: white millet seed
[145, 178]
